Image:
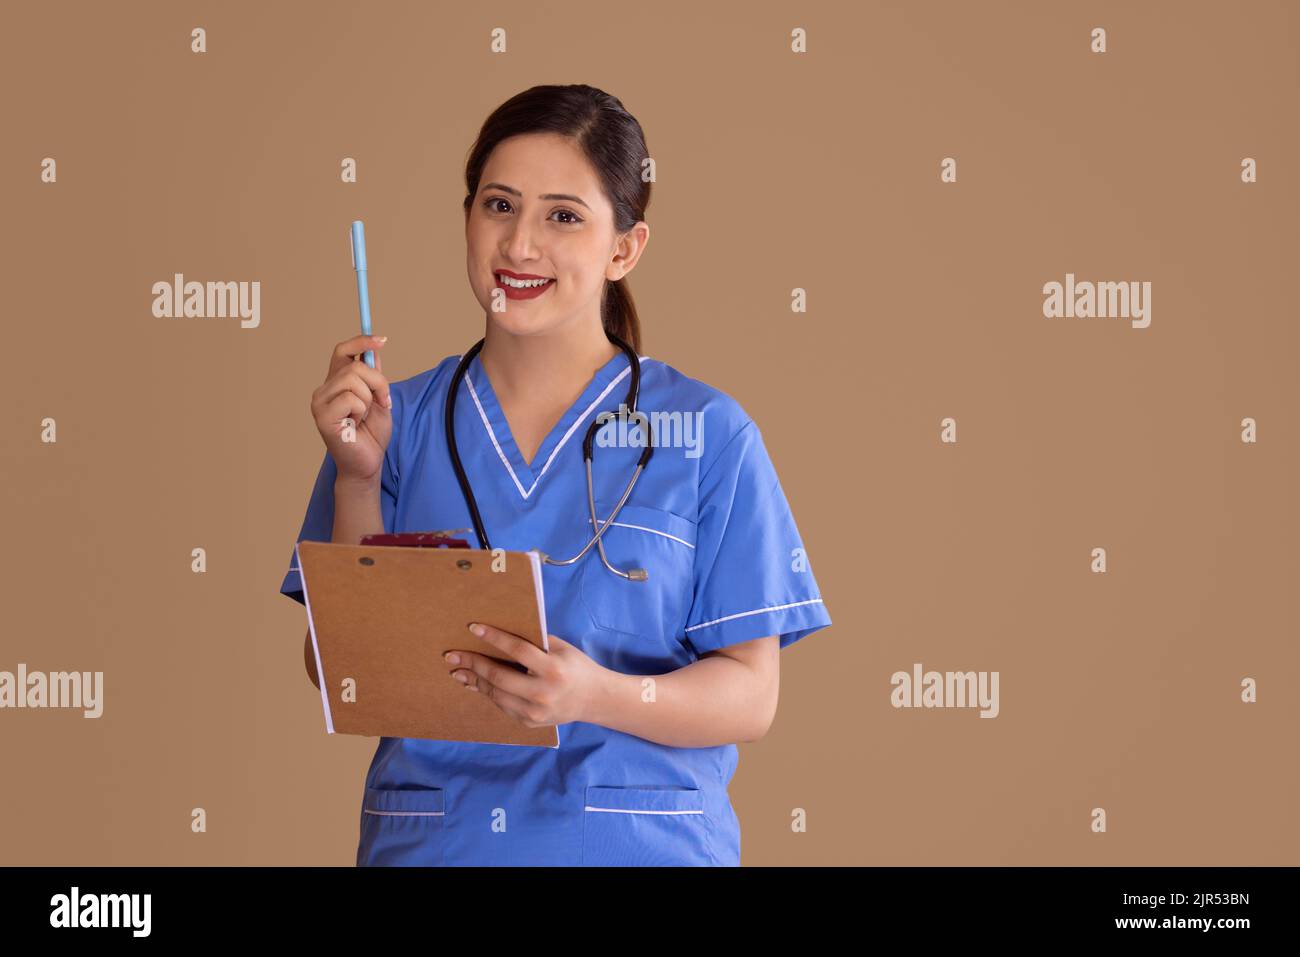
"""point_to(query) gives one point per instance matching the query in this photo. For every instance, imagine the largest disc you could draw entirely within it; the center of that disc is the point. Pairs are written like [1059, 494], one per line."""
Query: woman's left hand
[561, 685]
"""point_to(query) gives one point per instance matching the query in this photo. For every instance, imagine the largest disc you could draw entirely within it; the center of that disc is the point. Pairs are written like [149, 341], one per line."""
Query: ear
[627, 250]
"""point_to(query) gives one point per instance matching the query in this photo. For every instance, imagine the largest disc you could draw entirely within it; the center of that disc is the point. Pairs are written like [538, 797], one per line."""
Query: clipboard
[381, 618]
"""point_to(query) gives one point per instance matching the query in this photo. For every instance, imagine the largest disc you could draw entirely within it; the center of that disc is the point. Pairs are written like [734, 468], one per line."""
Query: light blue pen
[358, 239]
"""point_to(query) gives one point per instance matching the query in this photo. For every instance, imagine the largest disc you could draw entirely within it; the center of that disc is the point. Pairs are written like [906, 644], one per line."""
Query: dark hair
[613, 143]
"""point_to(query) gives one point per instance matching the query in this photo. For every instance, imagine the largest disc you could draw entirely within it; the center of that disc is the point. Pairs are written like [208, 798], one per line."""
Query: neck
[544, 365]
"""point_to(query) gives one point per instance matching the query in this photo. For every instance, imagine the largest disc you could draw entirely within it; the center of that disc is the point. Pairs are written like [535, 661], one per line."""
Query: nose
[520, 246]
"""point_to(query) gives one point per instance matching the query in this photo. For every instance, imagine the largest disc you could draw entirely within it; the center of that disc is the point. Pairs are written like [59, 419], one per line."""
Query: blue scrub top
[709, 522]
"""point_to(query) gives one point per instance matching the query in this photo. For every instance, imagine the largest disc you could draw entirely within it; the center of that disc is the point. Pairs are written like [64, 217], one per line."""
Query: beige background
[774, 171]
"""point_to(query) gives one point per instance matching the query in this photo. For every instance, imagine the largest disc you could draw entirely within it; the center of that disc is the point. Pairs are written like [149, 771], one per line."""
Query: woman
[650, 682]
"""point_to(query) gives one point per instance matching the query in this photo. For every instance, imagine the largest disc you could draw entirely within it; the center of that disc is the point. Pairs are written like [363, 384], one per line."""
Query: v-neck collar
[577, 417]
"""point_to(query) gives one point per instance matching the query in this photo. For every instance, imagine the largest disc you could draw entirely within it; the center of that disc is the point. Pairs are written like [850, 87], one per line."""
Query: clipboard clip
[438, 539]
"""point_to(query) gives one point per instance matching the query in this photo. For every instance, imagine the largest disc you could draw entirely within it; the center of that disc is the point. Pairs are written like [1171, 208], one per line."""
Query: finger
[352, 381]
[349, 349]
[366, 382]
[511, 645]
[346, 403]
[518, 708]
[373, 381]
[346, 406]
[495, 672]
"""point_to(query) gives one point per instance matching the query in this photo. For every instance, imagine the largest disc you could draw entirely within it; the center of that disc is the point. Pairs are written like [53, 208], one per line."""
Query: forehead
[537, 163]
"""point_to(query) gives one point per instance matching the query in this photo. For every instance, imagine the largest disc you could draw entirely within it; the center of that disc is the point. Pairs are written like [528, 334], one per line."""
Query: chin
[519, 323]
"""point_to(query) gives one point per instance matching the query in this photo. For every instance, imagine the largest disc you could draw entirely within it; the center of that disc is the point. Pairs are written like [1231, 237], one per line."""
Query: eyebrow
[515, 192]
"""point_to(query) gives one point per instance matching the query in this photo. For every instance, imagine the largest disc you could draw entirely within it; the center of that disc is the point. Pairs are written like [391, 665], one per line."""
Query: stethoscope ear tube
[633, 394]
[449, 429]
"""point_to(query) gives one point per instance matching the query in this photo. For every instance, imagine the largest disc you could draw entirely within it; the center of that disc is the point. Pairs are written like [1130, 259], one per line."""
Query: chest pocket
[662, 543]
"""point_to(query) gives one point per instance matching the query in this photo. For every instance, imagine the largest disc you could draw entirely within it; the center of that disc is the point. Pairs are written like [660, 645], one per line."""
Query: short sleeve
[318, 525]
[752, 575]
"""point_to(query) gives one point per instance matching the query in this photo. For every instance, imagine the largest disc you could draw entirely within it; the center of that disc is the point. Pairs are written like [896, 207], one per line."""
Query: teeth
[521, 283]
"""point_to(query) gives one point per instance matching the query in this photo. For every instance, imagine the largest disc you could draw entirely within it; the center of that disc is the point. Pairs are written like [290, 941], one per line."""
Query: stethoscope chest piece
[588, 448]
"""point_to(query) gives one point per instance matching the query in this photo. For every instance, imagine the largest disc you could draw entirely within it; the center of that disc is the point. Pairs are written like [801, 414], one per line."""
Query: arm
[356, 513]
[726, 696]
[310, 660]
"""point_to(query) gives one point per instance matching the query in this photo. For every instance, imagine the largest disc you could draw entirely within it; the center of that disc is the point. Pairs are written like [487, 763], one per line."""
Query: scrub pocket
[662, 543]
[645, 827]
[401, 828]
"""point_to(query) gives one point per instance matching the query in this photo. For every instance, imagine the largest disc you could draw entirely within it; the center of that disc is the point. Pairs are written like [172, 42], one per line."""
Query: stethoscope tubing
[629, 403]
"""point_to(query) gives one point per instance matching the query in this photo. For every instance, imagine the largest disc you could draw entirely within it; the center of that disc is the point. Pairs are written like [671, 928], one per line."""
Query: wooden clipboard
[381, 617]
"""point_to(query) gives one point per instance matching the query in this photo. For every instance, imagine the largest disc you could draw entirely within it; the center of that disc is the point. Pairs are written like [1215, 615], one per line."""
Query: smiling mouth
[510, 282]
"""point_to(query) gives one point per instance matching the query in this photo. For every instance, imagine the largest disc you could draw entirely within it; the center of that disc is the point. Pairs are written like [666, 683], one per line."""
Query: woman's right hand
[354, 390]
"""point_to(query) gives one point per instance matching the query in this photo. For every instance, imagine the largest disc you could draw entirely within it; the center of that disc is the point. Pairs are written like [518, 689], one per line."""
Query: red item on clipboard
[438, 539]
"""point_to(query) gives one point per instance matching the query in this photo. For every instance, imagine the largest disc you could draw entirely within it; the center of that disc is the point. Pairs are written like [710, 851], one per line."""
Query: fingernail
[452, 658]
[389, 403]
[460, 677]
[477, 629]
[382, 338]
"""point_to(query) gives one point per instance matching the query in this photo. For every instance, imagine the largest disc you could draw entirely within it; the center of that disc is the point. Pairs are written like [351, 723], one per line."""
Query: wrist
[351, 487]
[602, 707]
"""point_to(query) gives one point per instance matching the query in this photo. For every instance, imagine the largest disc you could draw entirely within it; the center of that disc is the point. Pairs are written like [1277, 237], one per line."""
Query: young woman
[651, 682]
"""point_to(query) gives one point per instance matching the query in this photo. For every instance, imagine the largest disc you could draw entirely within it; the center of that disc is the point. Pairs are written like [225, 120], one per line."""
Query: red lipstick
[532, 291]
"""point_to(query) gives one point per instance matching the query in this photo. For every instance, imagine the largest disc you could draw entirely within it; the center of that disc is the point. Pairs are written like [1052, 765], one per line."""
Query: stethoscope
[628, 408]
